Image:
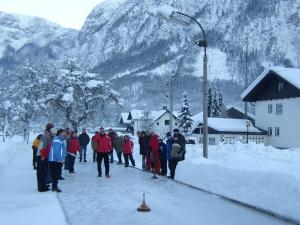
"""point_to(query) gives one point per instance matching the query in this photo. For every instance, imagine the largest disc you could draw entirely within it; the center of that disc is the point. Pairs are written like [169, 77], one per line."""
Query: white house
[159, 120]
[227, 130]
[276, 94]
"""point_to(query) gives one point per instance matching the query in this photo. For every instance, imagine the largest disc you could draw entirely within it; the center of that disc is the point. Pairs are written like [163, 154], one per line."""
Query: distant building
[227, 130]
[276, 94]
[158, 120]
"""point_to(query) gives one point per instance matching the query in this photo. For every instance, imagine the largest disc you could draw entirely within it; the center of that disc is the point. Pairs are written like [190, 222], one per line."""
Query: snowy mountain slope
[124, 39]
[137, 51]
[22, 36]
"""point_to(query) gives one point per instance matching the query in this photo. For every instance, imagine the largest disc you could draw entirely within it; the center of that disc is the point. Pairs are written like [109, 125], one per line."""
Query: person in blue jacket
[169, 143]
[57, 155]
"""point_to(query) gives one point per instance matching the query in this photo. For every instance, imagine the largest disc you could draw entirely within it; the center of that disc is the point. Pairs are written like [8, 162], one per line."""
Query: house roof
[227, 125]
[252, 116]
[291, 75]
[154, 115]
[124, 117]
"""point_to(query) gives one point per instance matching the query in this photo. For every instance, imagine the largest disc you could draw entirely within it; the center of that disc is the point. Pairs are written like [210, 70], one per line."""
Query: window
[269, 131]
[167, 122]
[270, 108]
[279, 109]
[279, 87]
[277, 131]
[211, 141]
[157, 123]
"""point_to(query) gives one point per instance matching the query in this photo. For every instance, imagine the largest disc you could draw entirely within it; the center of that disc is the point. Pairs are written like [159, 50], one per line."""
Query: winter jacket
[58, 150]
[154, 144]
[74, 146]
[169, 143]
[128, 147]
[94, 143]
[44, 146]
[84, 139]
[162, 151]
[36, 143]
[144, 145]
[118, 143]
[112, 137]
[103, 143]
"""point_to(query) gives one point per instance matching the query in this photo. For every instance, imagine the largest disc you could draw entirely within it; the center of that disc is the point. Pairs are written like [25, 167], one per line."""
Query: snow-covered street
[92, 200]
[87, 199]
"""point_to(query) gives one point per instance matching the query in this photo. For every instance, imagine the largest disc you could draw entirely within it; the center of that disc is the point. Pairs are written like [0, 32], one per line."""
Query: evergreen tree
[209, 101]
[222, 107]
[148, 121]
[185, 121]
[215, 111]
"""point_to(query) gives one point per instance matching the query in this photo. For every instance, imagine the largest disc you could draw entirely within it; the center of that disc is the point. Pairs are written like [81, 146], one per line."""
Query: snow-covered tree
[185, 121]
[147, 121]
[29, 90]
[215, 111]
[79, 95]
[222, 107]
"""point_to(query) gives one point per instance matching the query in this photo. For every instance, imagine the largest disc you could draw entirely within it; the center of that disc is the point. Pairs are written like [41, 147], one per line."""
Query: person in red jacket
[73, 148]
[104, 147]
[128, 150]
[154, 151]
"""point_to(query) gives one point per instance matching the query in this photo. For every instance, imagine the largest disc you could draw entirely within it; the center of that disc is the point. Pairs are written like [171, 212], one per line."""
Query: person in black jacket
[163, 157]
[143, 141]
[84, 140]
[181, 141]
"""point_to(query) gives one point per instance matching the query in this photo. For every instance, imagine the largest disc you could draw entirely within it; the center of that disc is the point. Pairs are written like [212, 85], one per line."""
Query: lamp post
[174, 16]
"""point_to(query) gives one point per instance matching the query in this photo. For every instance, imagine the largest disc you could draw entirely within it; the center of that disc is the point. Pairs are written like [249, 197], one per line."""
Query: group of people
[158, 156]
[55, 148]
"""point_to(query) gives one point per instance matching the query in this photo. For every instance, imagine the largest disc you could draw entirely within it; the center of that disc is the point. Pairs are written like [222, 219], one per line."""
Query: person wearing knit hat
[42, 157]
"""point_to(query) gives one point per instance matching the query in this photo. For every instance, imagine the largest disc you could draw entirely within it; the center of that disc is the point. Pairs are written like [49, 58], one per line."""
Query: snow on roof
[229, 125]
[241, 110]
[154, 115]
[291, 75]
[124, 117]
[137, 114]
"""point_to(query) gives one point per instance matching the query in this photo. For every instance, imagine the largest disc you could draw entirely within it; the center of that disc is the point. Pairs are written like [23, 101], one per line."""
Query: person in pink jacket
[128, 150]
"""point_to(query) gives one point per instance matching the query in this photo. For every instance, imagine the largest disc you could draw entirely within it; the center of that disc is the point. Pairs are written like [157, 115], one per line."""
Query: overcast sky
[68, 13]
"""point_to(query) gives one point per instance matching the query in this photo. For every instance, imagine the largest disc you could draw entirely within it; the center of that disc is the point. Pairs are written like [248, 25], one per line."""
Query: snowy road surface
[92, 200]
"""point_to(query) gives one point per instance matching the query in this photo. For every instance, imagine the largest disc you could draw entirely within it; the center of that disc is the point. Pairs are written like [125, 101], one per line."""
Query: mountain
[138, 51]
[26, 36]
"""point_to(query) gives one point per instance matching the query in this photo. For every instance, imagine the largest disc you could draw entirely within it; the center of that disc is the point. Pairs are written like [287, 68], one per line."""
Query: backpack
[94, 145]
[176, 152]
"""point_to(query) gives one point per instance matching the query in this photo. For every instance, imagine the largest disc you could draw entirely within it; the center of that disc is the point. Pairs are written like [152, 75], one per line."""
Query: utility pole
[171, 102]
[246, 76]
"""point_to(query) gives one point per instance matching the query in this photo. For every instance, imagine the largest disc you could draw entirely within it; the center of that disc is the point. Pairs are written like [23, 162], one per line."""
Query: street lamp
[169, 13]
